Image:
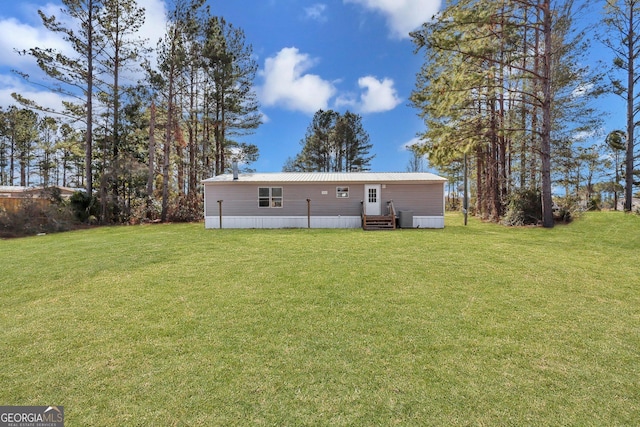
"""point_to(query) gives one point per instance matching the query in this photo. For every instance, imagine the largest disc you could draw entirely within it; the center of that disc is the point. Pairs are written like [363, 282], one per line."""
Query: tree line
[137, 134]
[503, 92]
[148, 131]
[504, 87]
[334, 142]
[39, 149]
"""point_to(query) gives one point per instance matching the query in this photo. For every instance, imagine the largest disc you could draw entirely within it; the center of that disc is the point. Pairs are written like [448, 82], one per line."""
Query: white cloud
[316, 12]
[10, 84]
[586, 135]
[287, 85]
[412, 142]
[154, 28]
[155, 23]
[378, 96]
[348, 100]
[402, 16]
[582, 90]
[25, 36]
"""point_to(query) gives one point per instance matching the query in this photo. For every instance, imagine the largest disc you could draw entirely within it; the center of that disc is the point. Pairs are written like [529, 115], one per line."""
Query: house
[635, 204]
[12, 196]
[324, 200]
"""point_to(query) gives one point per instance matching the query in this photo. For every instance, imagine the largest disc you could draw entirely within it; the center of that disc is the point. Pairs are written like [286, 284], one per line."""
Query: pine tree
[333, 143]
[75, 75]
[616, 143]
[498, 76]
[119, 21]
[231, 68]
[171, 57]
[622, 18]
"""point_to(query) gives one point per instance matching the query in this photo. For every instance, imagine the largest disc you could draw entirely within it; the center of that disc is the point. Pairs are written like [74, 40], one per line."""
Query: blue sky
[338, 54]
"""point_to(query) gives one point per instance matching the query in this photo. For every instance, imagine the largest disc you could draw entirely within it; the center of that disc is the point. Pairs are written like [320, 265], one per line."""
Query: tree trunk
[169, 128]
[114, 212]
[628, 188]
[23, 169]
[88, 162]
[152, 155]
[193, 133]
[545, 140]
[180, 159]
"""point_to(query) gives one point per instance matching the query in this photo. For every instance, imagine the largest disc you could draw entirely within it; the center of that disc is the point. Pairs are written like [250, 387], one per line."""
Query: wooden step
[379, 222]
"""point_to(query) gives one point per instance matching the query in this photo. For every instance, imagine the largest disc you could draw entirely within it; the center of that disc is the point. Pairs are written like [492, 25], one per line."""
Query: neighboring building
[324, 200]
[635, 204]
[12, 196]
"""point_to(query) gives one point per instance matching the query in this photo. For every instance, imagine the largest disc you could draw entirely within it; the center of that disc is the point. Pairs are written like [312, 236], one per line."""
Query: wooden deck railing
[379, 222]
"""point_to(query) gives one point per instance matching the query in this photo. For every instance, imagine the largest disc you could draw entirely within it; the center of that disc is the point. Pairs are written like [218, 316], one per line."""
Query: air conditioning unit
[405, 219]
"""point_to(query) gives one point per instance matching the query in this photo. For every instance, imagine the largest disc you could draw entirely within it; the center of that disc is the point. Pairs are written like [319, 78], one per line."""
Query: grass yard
[175, 325]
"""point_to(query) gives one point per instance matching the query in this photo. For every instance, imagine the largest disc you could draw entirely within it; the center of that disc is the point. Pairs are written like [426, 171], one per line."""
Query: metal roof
[7, 190]
[304, 177]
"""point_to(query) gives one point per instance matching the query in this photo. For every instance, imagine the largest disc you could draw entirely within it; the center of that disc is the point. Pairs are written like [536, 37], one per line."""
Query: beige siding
[13, 204]
[422, 199]
[241, 199]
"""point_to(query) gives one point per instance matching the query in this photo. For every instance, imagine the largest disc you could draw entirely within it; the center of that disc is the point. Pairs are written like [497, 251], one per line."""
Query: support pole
[465, 201]
[220, 211]
[308, 213]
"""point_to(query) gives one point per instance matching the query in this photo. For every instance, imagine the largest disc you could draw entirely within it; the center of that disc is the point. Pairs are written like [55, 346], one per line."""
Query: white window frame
[342, 192]
[273, 201]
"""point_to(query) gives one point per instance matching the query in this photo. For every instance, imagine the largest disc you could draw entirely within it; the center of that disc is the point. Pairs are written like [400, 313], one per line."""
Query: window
[276, 197]
[373, 195]
[342, 192]
[270, 197]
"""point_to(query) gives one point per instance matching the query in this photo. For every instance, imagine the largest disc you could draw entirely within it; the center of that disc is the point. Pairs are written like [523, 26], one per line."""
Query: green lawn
[177, 325]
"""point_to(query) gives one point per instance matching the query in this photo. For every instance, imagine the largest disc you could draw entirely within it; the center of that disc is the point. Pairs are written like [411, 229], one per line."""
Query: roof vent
[234, 166]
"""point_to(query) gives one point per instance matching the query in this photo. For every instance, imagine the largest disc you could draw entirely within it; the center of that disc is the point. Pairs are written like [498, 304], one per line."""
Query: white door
[372, 199]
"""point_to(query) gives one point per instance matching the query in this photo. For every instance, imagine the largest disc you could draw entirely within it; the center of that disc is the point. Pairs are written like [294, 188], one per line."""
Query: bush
[523, 208]
[32, 218]
[189, 208]
[145, 210]
[83, 206]
[453, 205]
[563, 214]
[569, 208]
[594, 203]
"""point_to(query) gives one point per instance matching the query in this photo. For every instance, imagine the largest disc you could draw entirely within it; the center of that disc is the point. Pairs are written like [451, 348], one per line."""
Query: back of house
[323, 200]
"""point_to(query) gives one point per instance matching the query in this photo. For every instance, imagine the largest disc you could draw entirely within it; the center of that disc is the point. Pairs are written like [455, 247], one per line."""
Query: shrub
[523, 208]
[189, 208]
[563, 214]
[32, 218]
[453, 204]
[594, 203]
[145, 210]
[83, 206]
[568, 209]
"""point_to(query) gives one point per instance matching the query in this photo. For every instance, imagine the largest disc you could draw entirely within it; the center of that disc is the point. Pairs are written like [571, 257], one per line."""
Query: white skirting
[428, 222]
[283, 222]
[303, 222]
